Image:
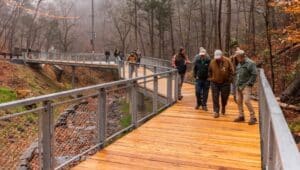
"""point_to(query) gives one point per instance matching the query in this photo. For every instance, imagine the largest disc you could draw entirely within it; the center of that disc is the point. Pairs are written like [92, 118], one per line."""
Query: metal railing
[90, 58]
[66, 127]
[279, 150]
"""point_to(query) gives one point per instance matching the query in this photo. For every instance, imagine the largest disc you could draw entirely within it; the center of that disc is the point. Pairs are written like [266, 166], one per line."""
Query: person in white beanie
[200, 73]
[245, 78]
[221, 75]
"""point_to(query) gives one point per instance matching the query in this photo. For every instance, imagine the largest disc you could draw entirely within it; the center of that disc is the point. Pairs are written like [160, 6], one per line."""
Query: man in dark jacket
[201, 64]
[245, 78]
[220, 74]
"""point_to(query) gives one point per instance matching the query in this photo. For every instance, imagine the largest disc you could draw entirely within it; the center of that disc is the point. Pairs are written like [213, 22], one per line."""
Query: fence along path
[183, 138]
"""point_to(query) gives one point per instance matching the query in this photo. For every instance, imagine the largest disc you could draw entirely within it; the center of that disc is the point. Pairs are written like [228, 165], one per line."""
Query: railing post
[73, 77]
[123, 65]
[155, 92]
[169, 88]
[176, 86]
[46, 137]
[101, 116]
[133, 103]
[145, 79]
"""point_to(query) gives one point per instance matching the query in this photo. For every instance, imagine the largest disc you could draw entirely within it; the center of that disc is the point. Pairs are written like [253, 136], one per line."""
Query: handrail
[46, 111]
[279, 150]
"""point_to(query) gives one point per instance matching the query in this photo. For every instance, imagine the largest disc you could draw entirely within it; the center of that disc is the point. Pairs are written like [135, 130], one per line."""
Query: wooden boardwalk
[184, 138]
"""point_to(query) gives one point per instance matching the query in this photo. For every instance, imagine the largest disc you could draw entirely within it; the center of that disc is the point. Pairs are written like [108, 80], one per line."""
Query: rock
[89, 128]
[62, 159]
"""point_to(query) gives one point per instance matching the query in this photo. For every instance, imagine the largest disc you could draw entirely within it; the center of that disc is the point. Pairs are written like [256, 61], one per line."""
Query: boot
[252, 121]
[223, 110]
[197, 107]
[216, 115]
[240, 119]
[204, 108]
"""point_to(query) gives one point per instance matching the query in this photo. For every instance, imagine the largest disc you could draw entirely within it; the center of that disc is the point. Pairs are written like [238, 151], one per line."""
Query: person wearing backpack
[200, 72]
[107, 55]
[180, 62]
[221, 74]
[245, 79]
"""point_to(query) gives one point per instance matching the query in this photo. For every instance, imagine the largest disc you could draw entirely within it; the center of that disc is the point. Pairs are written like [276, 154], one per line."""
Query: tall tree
[228, 27]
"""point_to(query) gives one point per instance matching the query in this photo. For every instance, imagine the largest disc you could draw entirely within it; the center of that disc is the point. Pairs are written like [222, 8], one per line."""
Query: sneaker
[223, 111]
[252, 121]
[204, 108]
[240, 119]
[216, 115]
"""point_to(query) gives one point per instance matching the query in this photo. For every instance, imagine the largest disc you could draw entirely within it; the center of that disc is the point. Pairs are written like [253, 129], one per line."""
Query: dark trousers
[202, 89]
[180, 83]
[217, 90]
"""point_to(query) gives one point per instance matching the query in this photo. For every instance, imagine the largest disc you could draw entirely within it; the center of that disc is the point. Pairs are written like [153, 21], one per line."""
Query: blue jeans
[202, 89]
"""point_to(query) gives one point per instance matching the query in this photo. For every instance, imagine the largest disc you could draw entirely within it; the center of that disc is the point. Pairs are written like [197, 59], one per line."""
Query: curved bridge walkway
[183, 138]
[177, 138]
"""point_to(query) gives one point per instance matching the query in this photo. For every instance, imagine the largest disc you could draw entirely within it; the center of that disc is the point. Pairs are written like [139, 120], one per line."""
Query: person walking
[245, 79]
[132, 60]
[220, 74]
[117, 55]
[180, 61]
[107, 55]
[200, 72]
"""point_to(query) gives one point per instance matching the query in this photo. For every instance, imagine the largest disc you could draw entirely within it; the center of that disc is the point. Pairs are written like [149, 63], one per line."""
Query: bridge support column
[73, 77]
[46, 132]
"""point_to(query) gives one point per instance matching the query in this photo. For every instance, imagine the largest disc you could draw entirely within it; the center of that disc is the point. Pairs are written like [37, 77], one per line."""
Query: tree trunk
[269, 42]
[228, 28]
[220, 25]
[292, 94]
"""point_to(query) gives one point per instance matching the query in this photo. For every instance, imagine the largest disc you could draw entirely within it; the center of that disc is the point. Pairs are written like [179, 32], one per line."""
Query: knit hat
[202, 51]
[218, 54]
[240, 52]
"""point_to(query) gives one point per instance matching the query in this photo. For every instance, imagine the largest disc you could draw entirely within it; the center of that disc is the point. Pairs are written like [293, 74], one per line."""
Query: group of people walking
[219, 74]
[119, 55]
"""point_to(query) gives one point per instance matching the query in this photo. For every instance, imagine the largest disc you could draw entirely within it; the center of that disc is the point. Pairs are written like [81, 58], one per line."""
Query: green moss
[7, 95]
[125, 120]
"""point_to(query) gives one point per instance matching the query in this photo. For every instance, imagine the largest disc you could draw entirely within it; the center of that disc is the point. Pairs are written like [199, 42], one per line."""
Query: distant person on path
[180, 61]
[117, 55]
[200, 72]
[220, 74]
[132, 60]
[139, 56]
[107, 55]
[245, 79]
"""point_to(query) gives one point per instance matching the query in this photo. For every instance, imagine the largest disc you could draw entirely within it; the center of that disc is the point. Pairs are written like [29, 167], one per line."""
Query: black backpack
[180, 64]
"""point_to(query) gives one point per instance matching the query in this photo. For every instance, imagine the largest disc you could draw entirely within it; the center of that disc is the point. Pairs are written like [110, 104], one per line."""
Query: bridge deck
[183, 138]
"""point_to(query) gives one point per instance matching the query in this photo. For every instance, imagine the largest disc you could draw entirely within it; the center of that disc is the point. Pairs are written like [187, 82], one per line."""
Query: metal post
[46, 134]
[73, 77]
[169, 88]
[130, 70]
[176, 86]
[155, 94]
[145, 79]
[123, 64]
[133, 103]
[101, 116]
